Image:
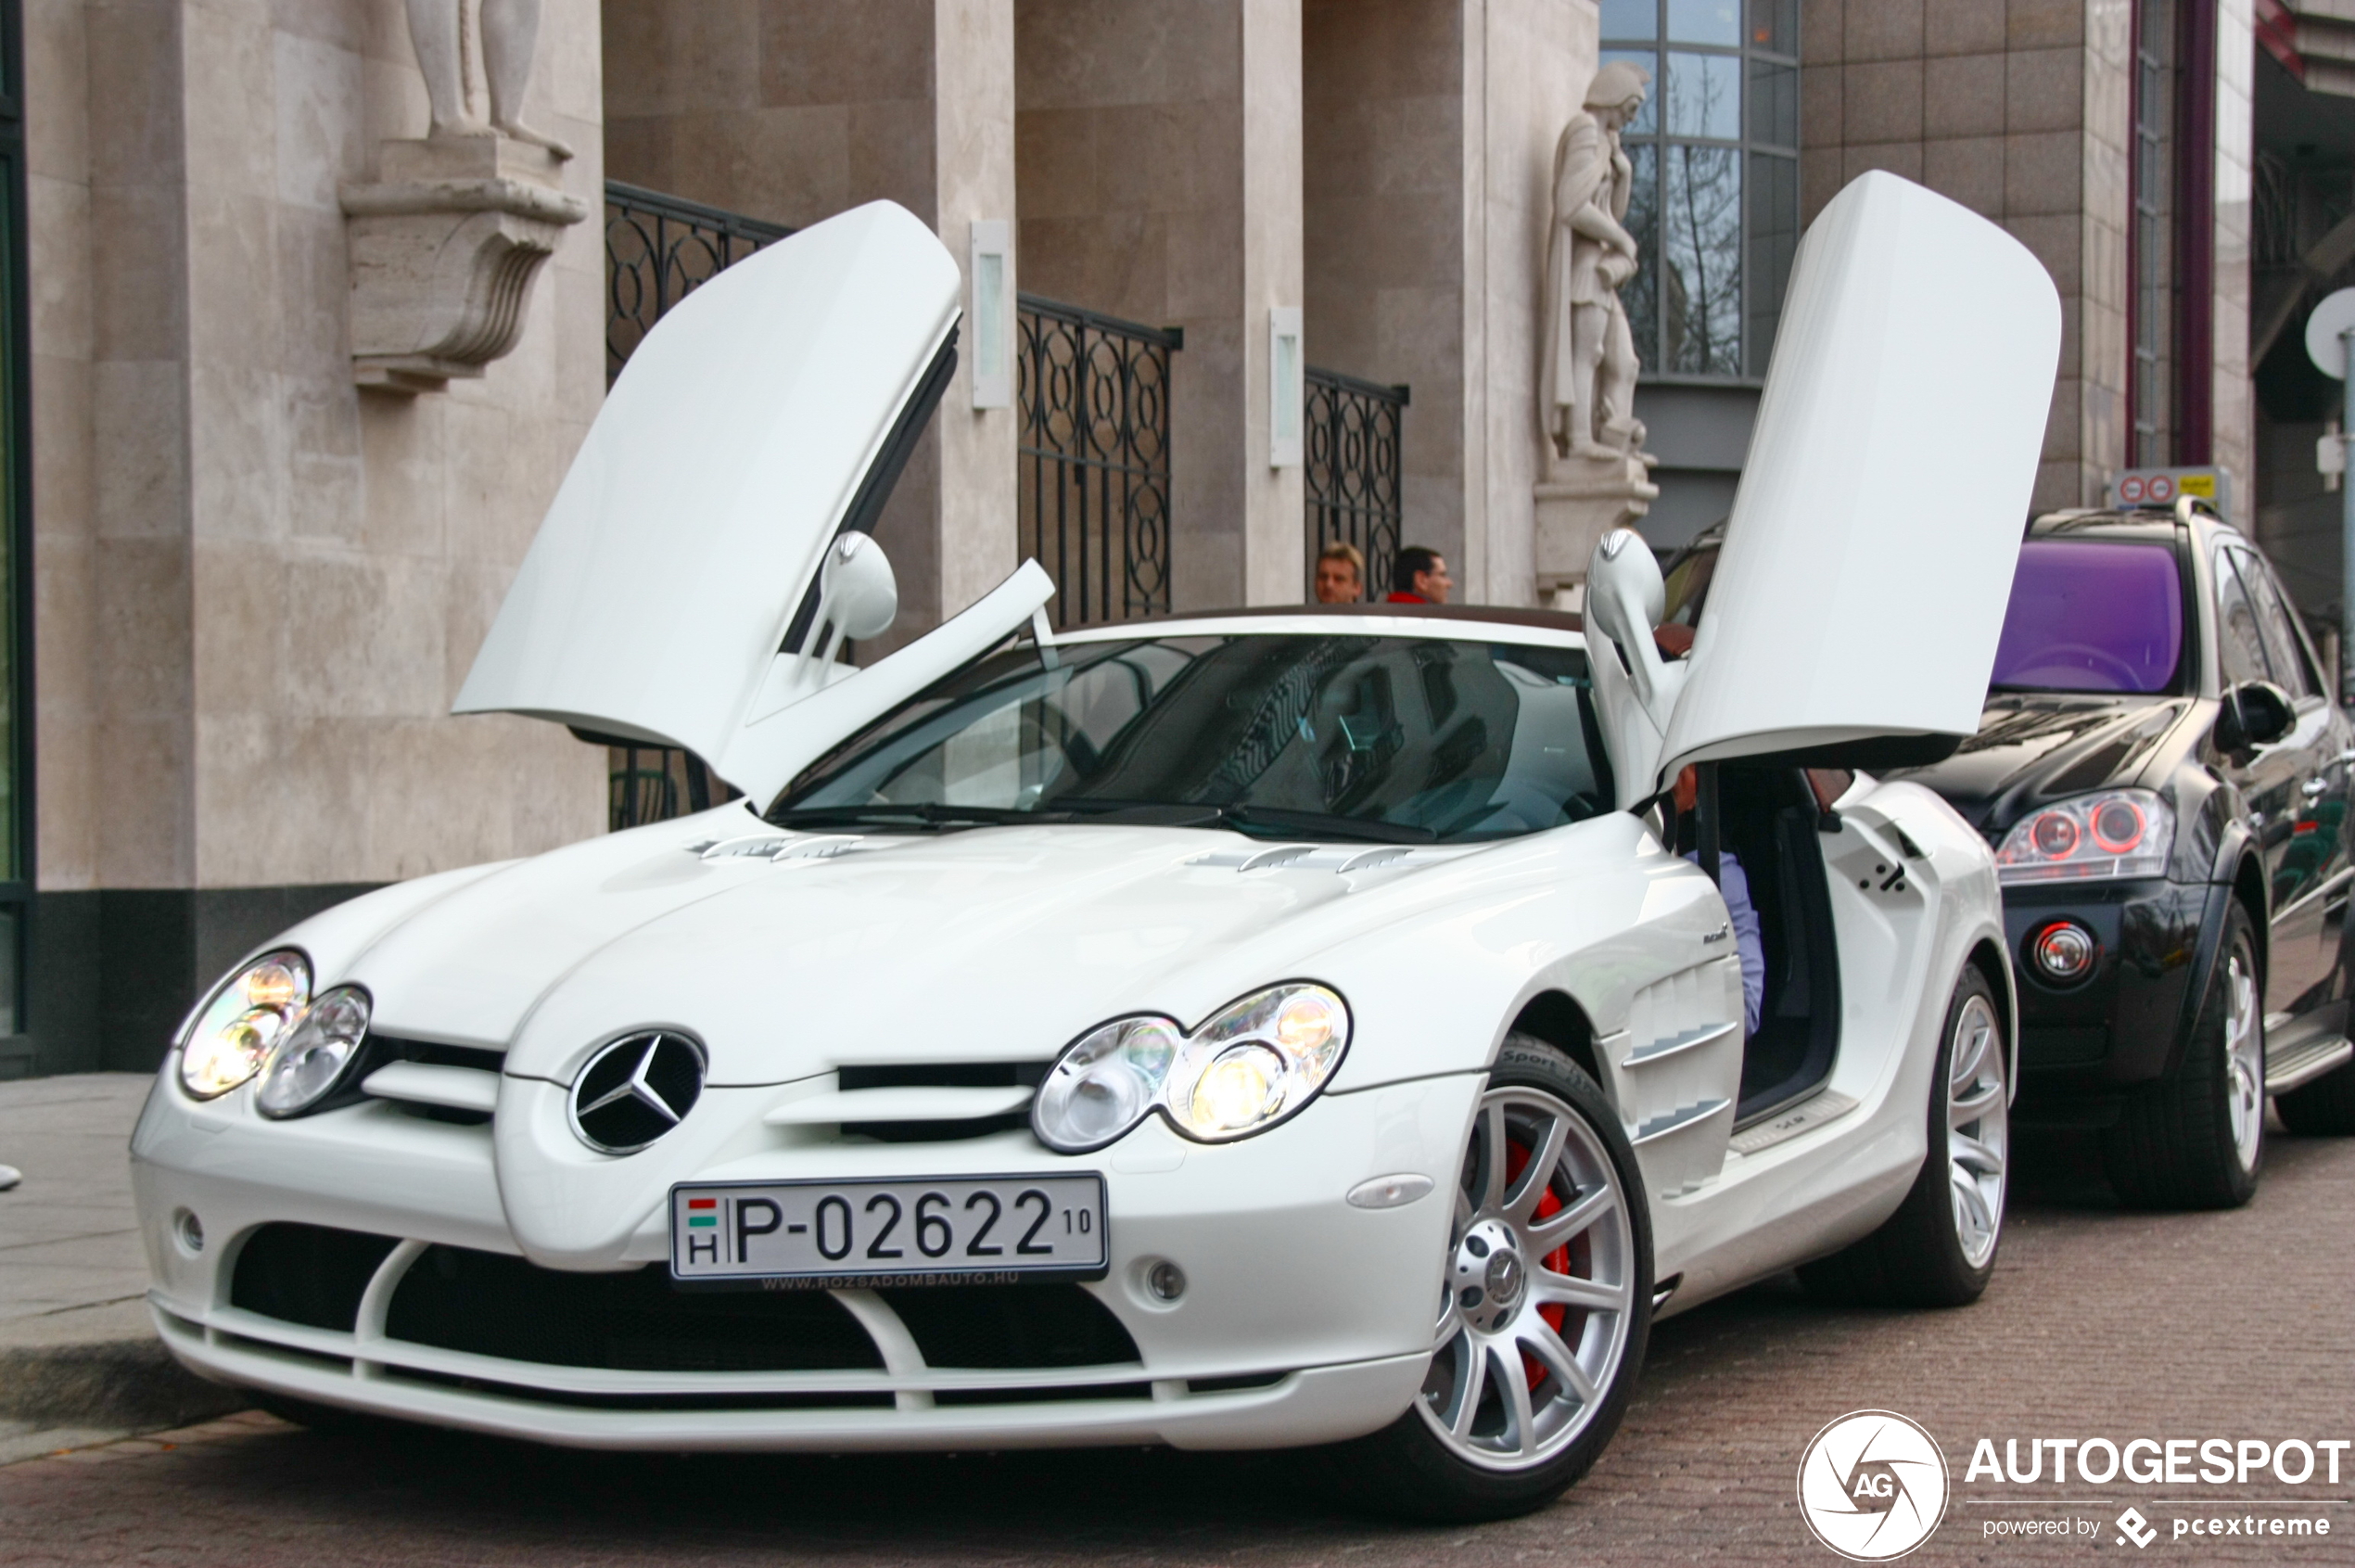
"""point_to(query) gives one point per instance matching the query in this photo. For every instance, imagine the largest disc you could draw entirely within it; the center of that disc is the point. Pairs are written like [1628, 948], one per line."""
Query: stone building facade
[251, 583]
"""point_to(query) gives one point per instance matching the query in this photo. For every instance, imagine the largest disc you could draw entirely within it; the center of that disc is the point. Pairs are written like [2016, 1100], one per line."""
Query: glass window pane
[2240, 646]
[1704, 95]
[1700, 301]
[2281, 649]
[1647, 121]
[1773, 104]
[1705, 21]
[1631, 18]
[1640, 294]
[1773, 25]
[1774, 240]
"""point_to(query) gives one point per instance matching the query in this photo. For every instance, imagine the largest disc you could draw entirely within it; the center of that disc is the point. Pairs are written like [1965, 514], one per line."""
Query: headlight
[2110, 833]
[313, 1058]
[232, 1036]
[1256, 1061]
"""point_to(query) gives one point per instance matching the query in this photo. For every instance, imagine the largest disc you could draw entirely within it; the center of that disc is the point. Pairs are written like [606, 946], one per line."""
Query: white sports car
[1256, 1029]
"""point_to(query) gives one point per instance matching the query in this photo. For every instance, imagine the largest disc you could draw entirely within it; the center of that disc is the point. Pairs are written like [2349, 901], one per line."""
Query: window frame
[1745, 150]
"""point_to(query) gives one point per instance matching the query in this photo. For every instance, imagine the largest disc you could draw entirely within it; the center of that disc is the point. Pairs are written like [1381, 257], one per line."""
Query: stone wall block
[2044, 172]
[1820, 122]
[1961, 27]
[140, 408]
[1883, 101]
[2044, 24]
[1898, 158]
[1969, 169]
[56, 67]
[2045, 90]
[822, 52]
[1882, 29]
[1963, 95]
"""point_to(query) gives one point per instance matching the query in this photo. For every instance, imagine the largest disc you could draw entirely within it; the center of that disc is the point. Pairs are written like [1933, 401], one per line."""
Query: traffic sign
[2324, 332]
[2160, 486]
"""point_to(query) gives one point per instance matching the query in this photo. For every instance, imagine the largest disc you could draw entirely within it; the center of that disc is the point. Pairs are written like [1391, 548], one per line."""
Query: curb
[109, 1383]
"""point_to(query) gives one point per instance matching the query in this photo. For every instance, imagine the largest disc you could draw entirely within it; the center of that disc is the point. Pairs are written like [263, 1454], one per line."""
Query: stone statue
[1586, 381]
[510, 35]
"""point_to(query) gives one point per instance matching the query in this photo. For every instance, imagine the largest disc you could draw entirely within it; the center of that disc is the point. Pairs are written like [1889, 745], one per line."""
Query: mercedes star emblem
[636, 1090]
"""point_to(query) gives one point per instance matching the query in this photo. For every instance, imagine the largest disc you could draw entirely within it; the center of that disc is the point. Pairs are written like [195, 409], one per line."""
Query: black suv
[2164, 774]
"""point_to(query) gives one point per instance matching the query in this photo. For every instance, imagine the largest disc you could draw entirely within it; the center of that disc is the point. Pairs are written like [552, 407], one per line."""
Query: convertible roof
[2153, 527]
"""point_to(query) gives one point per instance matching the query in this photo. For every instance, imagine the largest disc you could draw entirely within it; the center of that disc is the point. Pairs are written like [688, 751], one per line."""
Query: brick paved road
[2098, 1323]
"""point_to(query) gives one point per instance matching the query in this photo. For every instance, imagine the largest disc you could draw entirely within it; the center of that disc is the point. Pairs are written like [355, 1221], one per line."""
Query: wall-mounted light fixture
[1284, 387]
[989, 314]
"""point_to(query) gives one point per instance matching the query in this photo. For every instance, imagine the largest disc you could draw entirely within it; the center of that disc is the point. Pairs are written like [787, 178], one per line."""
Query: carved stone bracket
[1582, 499]
[444, 249]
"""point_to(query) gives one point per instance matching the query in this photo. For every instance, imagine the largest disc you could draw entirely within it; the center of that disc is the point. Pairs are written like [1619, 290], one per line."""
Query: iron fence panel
[1094, 466]
[1353, 470]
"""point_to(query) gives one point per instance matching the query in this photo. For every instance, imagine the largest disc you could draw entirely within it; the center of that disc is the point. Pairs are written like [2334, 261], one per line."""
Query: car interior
[1769, 818]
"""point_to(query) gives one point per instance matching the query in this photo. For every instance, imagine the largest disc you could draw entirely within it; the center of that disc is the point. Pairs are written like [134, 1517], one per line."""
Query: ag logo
[1872, 1485]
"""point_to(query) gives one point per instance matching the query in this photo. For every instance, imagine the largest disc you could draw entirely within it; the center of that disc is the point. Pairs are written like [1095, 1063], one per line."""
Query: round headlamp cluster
[314, 1055]
[244, 1020]
[1258, 1061]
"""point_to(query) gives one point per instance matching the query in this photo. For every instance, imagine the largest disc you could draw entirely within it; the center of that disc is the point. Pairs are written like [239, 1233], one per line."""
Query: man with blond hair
[1340, 573]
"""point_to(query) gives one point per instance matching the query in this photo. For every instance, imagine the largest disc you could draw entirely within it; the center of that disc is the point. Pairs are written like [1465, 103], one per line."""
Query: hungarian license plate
[832, 1235]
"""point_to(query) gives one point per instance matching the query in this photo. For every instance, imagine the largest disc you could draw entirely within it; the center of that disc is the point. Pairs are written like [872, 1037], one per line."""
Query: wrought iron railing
[1094, 466]
[658, 249]
[1353, 470]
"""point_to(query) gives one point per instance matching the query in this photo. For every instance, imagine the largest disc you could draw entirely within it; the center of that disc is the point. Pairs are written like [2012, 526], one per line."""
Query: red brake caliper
[1516, 1161]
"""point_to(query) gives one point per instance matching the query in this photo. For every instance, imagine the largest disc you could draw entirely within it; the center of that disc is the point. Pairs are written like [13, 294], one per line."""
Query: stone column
[269, 588]
[794, 111]
[1159, 149]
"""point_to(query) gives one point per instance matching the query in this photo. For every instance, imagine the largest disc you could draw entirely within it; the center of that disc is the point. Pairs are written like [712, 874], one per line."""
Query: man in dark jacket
[1420, 578]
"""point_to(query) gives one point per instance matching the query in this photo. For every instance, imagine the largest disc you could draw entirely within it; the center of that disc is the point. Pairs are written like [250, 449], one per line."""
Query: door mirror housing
[2252, 714]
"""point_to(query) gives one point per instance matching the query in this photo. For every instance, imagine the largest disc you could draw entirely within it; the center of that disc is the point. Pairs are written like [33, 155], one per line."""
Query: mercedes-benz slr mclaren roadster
[1258, 1029]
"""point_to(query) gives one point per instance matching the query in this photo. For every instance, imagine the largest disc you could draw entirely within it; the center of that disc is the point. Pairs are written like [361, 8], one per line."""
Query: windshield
[2092, 616]
[1392, 739]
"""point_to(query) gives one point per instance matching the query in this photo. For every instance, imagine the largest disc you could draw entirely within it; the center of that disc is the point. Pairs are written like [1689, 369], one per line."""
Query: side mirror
[2253, 713]
[858, 596]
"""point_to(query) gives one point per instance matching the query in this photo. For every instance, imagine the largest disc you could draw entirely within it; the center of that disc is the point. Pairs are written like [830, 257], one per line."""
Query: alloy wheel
[1978, 1130]
[2244, 1059]
[1538, 1292]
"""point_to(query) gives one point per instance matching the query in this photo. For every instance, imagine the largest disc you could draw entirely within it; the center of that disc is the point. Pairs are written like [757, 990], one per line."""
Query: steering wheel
[2126, 675]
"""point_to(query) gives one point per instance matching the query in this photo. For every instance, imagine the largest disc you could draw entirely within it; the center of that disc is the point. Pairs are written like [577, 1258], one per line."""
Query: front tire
[1545, 1307]
[1939, 1248]
[2196, 1138]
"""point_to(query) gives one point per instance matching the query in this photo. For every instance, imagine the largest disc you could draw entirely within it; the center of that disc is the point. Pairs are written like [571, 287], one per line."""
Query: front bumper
[1303, 1320]
[2082, 1044]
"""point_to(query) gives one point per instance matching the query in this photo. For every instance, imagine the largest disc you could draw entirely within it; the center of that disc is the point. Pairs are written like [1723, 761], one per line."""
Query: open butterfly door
[766, 412]
[1867, 566]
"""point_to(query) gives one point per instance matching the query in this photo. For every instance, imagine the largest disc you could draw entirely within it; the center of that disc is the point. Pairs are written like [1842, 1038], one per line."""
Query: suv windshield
[1390, 739]
[2092, 616]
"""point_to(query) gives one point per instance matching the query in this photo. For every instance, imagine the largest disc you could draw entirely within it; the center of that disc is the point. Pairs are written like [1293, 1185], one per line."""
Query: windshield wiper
[1243, 815]
[921, 814]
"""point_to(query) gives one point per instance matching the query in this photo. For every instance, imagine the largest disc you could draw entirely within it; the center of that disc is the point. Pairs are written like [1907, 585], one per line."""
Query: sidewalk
[79, 1362]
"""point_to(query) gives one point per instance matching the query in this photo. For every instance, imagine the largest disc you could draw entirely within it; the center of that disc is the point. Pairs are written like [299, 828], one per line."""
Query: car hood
[2032, 748]
[791, 954]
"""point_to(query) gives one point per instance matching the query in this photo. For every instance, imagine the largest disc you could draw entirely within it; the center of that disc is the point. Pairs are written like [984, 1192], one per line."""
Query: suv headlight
[1256, 1061]
[315, 1054]
[246, 1017]
[2110, 833]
